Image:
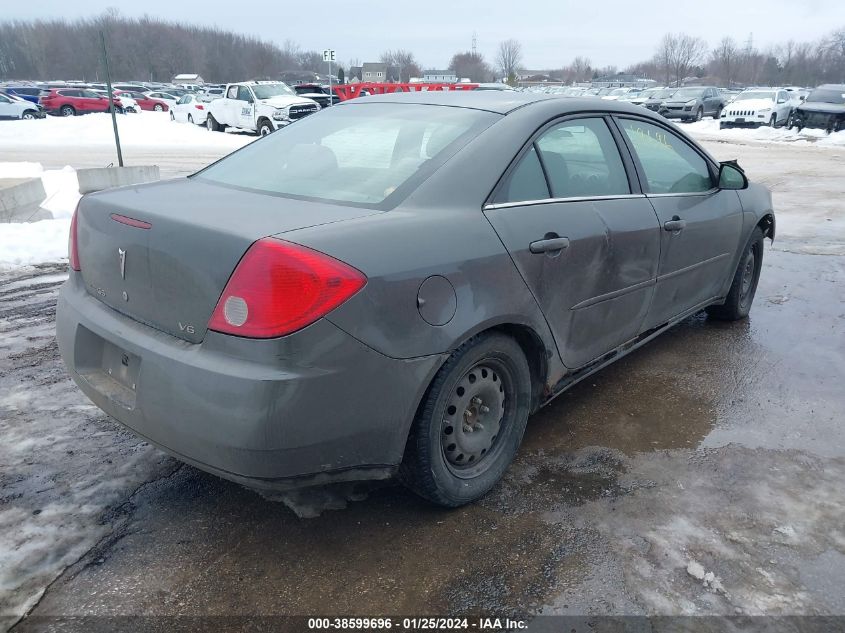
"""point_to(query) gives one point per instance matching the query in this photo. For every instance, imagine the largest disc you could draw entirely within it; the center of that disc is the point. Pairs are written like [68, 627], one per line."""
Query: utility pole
[474, 45]
[111, 99]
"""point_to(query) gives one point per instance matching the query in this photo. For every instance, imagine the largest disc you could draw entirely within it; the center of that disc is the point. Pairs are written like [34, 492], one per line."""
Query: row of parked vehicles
[792, 107]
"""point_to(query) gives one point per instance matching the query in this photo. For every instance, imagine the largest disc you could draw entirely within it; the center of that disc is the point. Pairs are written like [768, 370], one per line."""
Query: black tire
[699, 114]
[265, 128]
[172, 116]
[722, 126]
[190, 119]
[67, 110]
[744, 285]
[718, 112]
[789, 121]
[211, 124]
[158, 107]
[28, 115]
[773, 122]
[489, 369]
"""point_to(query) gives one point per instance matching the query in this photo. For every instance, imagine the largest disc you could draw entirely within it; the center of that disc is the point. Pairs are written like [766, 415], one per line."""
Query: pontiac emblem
[122, 255]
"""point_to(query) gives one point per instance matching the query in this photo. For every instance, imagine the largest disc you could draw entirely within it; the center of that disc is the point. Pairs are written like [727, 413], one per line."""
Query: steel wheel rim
[477, 413]
[748, 274]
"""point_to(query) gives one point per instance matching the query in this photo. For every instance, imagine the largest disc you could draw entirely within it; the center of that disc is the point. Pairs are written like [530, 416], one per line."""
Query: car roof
[832, 87]
[500, 102]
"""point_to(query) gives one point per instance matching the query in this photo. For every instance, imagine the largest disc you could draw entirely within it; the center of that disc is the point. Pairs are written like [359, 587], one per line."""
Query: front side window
[232, 93]
[357, 154]
[582, 160]
[670, 165]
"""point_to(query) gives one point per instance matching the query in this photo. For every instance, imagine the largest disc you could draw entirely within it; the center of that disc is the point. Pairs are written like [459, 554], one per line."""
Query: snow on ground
[809, 136]
[28, 243]
[147, 129]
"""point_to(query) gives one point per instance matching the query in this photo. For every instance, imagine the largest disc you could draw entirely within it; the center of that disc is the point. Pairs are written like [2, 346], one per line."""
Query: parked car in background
[191, 108]
[258, 106]
[650, 98]
[128, 104]
[72, 101]
[619, 93]
[693, 103]
[316, 92]
[493, 86]
[757, 106]
[165, 97]
[313, 308]
[13, 107]
[27, 93]
[145, 101]
[824, 108]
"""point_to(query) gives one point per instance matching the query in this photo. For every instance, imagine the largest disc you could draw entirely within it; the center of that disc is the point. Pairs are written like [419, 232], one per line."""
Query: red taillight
[279, 287]
[199, 107]
[73, 247]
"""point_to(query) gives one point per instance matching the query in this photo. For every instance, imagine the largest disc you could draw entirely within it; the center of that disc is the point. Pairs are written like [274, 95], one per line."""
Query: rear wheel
[158, 107]
[211, 124]
[718, 112]
[470, 423]
[67, 110]
[741, 294]
[190, 119]
[172, 116]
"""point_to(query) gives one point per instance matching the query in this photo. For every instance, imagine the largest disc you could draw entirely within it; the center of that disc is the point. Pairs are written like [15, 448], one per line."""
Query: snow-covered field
[709, 128]
[147, 129]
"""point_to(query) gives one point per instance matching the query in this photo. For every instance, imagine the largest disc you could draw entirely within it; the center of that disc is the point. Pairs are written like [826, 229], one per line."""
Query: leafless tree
[677, 54]
[509, 58]
[471, 66]
[724, 60]
[404, 61]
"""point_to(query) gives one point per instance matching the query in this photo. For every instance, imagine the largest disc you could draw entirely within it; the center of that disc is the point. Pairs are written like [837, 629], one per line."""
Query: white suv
[758, 106]
[15, 108]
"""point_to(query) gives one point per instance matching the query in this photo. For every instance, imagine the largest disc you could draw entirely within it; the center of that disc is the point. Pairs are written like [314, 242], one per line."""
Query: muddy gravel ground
[701, 475]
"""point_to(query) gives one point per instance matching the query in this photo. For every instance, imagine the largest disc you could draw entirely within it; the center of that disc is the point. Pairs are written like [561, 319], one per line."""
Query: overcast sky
[552, 32]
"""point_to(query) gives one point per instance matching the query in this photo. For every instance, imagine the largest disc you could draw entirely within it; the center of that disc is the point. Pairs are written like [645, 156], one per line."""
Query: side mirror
[731, 176]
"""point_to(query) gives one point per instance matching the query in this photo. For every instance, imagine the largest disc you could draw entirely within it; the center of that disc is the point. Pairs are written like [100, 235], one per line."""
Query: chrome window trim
[527, 203]
[683, 194]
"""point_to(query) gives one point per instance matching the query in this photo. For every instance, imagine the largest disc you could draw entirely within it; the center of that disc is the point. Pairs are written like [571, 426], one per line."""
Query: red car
[71, 101]
[145, 102]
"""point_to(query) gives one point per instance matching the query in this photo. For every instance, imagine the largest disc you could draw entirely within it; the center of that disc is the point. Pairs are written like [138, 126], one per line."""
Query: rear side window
[367, 155]
[581, 159]
[525, 182]
[670, 165]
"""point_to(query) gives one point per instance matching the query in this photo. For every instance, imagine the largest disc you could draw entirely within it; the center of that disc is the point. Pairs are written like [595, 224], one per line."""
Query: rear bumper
[311, 407]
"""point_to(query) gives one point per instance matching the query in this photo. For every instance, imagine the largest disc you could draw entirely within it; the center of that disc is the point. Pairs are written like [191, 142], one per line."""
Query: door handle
[675, 224]
[549, 245]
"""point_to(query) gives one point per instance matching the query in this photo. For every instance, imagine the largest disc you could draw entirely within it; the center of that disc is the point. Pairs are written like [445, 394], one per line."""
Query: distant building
[355, 72]
[440, 76]
[188, 79]
[379, 73]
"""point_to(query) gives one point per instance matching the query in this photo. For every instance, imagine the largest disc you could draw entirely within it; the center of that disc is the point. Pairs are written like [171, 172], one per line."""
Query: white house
[188, 79]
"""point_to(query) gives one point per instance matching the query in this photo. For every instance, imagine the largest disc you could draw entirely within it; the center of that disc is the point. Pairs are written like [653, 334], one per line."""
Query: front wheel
[67, 110]
[773, 122]
[741, 294]
[158, 107]
[699, 114]
[470, 423]
[718, 112]
[28, 115]
[172, 116]
[265, 128]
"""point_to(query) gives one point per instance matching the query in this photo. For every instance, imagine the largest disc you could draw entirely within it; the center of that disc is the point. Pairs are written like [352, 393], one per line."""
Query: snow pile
[808, 136]
[27, 243]
[147, 129]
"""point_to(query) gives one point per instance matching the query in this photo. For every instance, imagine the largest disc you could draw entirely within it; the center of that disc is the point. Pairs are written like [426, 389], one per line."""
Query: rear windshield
[827, 96]
[369, 155]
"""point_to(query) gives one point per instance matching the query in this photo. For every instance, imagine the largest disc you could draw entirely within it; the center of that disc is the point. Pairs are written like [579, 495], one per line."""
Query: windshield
[367, 155]
[827, 96]
[619, 91]
[266, 91]
[688, 93]
[755, 94]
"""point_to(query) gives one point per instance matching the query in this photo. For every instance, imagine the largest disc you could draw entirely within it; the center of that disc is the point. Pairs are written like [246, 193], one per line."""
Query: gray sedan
[392, 286]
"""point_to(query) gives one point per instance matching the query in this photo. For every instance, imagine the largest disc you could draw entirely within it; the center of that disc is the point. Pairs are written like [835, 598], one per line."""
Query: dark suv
[693, 103]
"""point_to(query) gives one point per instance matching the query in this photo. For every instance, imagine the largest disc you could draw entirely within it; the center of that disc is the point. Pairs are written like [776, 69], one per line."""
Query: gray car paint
[341, 394]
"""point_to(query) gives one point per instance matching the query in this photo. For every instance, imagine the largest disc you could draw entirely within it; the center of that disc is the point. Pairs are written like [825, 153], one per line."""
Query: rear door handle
[675, 224]
[549, 245]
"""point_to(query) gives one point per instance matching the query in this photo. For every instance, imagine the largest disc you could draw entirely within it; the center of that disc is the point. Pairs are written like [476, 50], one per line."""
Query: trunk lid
[168, 268]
